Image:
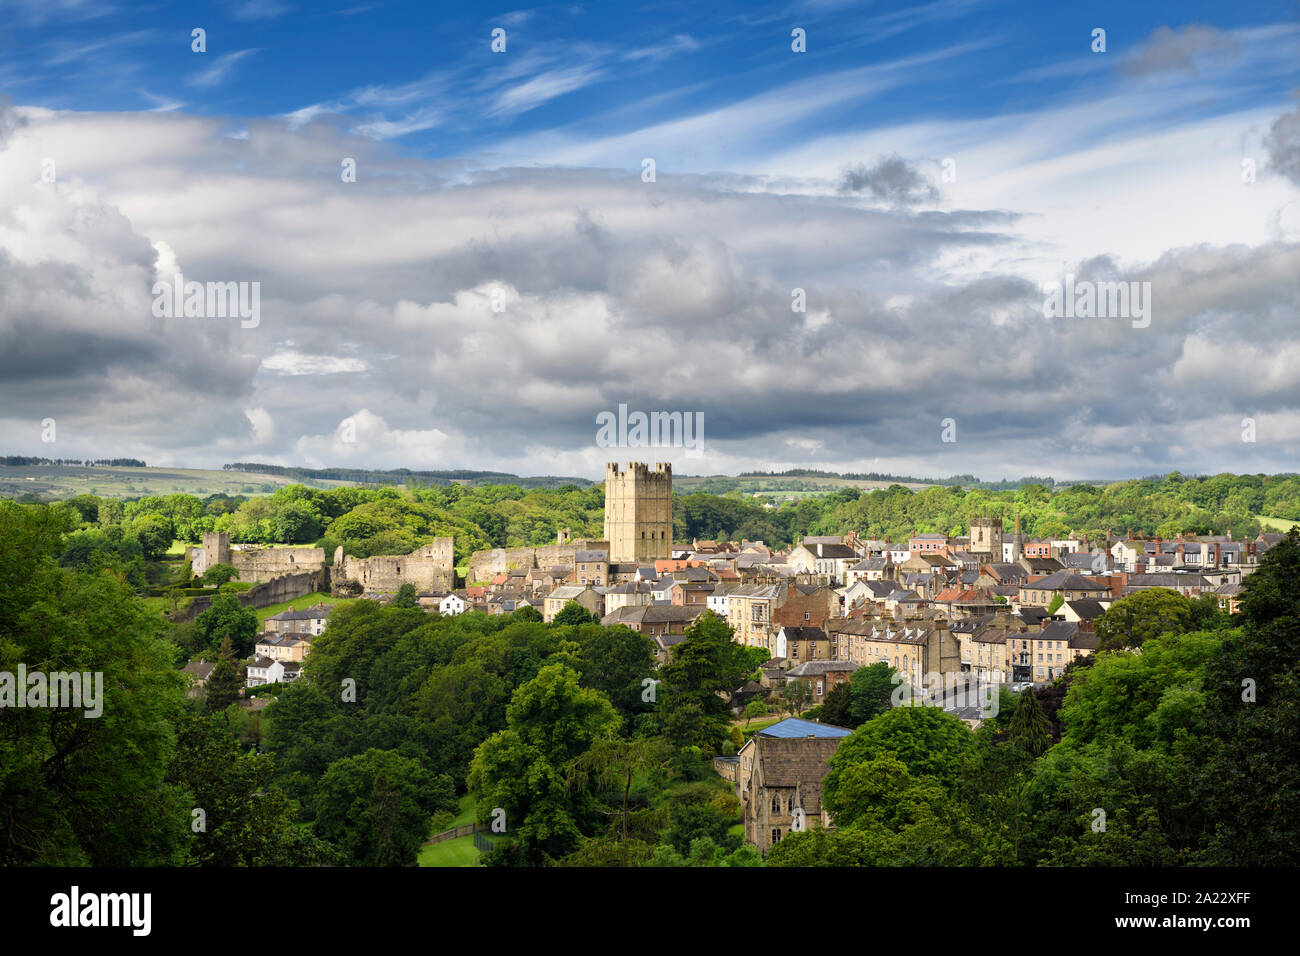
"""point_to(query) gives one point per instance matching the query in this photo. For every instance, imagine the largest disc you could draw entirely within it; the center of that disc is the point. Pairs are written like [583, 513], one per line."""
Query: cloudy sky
[501, 270]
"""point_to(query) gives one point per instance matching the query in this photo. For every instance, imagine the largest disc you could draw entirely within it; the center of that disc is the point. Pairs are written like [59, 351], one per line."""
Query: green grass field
[1276, 524]
[64, 481]
[759, 723]
[298, 604]
[458, 852]
[465, 813]
[754, 484]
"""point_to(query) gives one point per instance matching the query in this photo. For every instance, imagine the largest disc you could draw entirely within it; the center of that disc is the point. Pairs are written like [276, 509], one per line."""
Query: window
[776, 804]
[776, 836]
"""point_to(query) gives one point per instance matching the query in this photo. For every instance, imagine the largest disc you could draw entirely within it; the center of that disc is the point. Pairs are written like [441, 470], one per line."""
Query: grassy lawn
[1276, 524]
[759, 723]
[458, 852]
[298, 604]
[465, 813]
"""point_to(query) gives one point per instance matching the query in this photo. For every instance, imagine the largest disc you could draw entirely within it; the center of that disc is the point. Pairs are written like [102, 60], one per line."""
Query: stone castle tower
[639, 511]
[215, 550]
[986, 536]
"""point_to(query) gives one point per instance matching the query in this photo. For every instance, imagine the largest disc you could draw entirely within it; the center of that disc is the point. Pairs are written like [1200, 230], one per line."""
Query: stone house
[822, 676]
[310, 620]
[779, 775]
[585, 595]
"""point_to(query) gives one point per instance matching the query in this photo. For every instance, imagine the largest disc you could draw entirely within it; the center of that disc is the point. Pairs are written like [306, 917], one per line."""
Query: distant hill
[51, 479]
[405, 476]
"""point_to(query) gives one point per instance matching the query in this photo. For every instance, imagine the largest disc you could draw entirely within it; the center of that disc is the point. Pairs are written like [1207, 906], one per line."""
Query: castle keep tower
[639, 511]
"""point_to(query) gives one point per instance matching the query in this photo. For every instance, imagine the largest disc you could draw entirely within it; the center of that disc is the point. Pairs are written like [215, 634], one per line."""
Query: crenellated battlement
[639, 470]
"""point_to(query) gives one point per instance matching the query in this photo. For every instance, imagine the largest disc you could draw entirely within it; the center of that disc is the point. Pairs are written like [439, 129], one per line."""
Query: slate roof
[307, 614]
[1089, 609]
[835, 551]
[804, 633]
[814, 668]
[871, 564]
[200, 669]
[1058, 631]
[794, 727]
[1065, 581]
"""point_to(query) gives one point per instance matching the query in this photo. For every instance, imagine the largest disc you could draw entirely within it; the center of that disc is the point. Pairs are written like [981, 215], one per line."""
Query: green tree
[616, 661]
[1248, 783]
[375, 807]
[407, 596]
[873, 688]
[225, 681]
[927, 740]
[78, 789]
[819, 847]
[755, 708]
[551, 721]
[238, 818]
[155, 532]
[1131, 621]
[614, 762]
[796, 695]
[702, 668]
[573, 613]
[226, 618]
[1030, 728]
[219, 574]
[837, 706]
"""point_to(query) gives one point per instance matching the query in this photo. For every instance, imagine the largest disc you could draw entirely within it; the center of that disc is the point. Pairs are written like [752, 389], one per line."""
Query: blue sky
[423, 74]
[500, 273]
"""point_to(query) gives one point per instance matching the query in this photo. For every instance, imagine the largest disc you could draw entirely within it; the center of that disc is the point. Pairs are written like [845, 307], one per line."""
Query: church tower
[639, 512]
[986, 537]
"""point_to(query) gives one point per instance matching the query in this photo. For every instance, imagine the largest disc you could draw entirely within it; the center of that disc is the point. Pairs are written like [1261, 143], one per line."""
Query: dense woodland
[591, 754]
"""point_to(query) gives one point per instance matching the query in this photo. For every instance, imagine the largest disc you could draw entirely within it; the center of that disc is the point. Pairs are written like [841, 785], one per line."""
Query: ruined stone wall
[254, 564]
[264, 564]
[284, 588]
[483, 565]
[430, 568]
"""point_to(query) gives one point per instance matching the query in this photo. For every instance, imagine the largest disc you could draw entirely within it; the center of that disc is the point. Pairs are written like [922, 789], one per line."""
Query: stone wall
[484, 565]
[265, 564]
[284, 588]
[254, 564]
[430, 568]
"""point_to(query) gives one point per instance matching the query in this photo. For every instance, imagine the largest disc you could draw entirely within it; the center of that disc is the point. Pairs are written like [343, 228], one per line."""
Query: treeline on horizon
[22, 461]
[964, 480]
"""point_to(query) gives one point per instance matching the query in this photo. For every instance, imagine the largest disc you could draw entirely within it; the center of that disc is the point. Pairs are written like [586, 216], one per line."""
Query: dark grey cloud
[891, 179]
[1283, 145]
[1176, 48]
